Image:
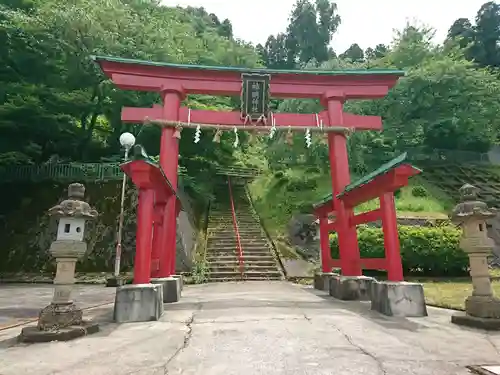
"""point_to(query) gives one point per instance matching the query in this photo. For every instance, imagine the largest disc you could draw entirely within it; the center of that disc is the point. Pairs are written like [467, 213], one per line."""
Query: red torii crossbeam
[175, 81]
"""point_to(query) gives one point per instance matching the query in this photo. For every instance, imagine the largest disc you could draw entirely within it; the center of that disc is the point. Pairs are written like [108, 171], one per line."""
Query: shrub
[419, 191]
[425, 251]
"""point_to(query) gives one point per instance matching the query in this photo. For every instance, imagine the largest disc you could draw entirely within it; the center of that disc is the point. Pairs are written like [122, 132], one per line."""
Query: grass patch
[278, 197]
[407, 203]
[451, 294]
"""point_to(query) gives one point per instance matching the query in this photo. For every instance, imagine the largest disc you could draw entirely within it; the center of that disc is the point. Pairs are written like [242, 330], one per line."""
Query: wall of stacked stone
[27, 231]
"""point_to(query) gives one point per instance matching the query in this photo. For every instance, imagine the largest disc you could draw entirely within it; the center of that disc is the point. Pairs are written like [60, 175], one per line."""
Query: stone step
[252, 263]
[246, 258]
[228, 246]
[243, 236]
[246, 255]
[235, 249]
[252, 278]
[229, 258]
[241, 228]
[225, 222]
[236, 274]
[244, 243]
[256, 240]
[229, 216]
[234, 246]
[230, 222]
[229, 235]
[245, 267]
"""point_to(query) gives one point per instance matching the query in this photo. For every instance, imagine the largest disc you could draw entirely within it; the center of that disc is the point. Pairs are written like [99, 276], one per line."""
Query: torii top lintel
[129, 74]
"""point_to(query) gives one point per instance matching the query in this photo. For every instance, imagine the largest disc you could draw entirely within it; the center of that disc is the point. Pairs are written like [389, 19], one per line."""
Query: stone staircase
[259, 262]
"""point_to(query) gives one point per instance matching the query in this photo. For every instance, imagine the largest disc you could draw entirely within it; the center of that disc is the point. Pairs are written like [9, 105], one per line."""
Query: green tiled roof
[248, 70]
[139, 153]
[394, 163]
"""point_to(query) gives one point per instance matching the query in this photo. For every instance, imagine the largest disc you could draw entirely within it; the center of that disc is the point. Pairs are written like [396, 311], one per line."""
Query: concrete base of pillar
[351, 288]
[181, 280]
[171, 288]
[138, 303]
[400, 299]
[322, 281]
[34, 335]
[488, 324]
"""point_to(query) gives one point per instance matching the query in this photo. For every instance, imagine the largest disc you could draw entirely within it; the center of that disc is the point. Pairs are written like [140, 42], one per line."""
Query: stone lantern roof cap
[74, 206]
[470, 207]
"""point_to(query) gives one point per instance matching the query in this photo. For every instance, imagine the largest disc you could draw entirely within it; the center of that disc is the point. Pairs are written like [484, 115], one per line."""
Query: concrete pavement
[261, 328]
[21, 303]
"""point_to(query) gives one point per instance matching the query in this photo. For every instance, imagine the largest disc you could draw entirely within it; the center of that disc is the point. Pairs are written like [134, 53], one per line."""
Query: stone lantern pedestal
[482, 308]
[62, 320]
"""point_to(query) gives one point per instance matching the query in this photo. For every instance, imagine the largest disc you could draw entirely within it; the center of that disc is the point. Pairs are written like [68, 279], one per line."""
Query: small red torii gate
[256, 86]
[381, 184]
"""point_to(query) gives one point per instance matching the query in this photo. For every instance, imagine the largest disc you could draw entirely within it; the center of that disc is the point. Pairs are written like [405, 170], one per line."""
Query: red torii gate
[381, 184]
[175, 81]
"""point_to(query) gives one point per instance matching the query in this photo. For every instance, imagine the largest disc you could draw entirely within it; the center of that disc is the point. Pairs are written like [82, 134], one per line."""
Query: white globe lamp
[127, 140]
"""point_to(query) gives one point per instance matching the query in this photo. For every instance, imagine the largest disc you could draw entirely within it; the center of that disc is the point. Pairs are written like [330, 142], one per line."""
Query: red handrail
[236, 230]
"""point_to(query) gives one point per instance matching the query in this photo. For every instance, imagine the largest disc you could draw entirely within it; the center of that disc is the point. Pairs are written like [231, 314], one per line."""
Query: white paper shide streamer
[236, 139]
[197, 134]
[308, 138]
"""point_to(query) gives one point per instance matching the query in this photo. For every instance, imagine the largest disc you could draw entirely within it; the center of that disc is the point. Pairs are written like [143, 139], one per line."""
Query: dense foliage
[424, 251]
[55, 105]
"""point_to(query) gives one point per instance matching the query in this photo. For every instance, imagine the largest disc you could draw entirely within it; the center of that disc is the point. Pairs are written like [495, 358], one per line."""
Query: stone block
[399, 299]
[487, 307]
[57, 316]
[181, 280]
[138, 303]
[322, 281]
[35, 335]
[488, 324]
[351, 288]
[171, 288]
[113, 282]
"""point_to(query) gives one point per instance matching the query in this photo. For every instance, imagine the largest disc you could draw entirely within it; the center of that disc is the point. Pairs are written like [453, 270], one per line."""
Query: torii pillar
[169, 162]
[333, 101]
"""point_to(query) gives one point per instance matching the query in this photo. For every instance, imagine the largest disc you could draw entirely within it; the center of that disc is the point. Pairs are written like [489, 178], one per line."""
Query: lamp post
[127, 140]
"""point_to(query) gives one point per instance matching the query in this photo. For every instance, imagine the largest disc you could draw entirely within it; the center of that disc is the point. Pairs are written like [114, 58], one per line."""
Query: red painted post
[173, 258]
[326, 257]
[169, 161]
[339, 164]
[391, 238]
[145, 210]
[157, 239]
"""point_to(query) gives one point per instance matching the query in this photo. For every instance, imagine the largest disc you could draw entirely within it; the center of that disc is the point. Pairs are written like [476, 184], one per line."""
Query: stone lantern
[482, 308]
[62, 319]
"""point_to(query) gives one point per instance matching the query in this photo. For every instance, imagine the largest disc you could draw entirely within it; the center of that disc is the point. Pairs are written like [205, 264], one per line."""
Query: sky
[366, 22]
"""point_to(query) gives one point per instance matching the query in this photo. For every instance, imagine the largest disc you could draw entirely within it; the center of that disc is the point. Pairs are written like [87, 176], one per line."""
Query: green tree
[310, 31]
[274, 53]
[462, 29]
[486, 49]
[354, 53]
[378, 52]
[56, 105]
[307, 38]
[480, 41]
